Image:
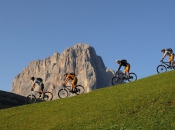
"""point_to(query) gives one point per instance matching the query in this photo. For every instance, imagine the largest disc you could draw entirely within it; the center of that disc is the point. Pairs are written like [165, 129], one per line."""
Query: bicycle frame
[35, 93]
[166, 63]
[66, 87]
[121, 75]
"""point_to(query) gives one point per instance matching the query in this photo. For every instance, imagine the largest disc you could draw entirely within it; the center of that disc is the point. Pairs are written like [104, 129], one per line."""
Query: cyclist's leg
[127, 69]
[124, 76]
[41, 89]
[170, 60]
[74, 83]
[173, 63]
[129, 66]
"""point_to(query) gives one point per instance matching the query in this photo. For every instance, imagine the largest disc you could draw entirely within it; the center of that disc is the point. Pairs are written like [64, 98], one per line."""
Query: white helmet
[117, 61]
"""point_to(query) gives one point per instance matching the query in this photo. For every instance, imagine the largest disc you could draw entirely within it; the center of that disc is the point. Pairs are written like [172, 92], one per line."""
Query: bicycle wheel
[161, 68]
[48, 96]
[30, 99]
[79, 89]
[116, 80]
[62, 93]
[133, 77]
[174, 66]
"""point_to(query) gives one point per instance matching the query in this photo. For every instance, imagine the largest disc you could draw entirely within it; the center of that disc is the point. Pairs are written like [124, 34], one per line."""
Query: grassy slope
[146, 104]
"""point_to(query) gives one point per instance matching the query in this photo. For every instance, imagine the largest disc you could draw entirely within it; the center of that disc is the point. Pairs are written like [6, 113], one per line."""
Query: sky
[135, 30]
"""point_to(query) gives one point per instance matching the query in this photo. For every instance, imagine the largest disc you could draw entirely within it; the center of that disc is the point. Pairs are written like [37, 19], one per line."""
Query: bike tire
[30, 99]
[79, 89]
[62, 93]
[116, 80]
[133, 77]
[161, 69]
[48, 96]
[174, 66]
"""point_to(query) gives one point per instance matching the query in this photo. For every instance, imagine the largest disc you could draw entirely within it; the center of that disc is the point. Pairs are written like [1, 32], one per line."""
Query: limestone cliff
[81, 59]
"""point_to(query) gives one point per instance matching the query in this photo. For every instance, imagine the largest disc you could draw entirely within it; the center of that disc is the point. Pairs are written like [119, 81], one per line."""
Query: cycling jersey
[73, 78]
[123, 63]
[37, 82]
[39, 85]
[168, 53]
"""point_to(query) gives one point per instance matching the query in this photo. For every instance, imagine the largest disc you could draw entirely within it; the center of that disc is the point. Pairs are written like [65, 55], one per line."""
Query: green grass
[147, 104]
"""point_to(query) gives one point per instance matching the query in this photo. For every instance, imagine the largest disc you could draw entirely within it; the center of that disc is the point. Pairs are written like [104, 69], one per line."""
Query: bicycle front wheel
[30, 99]
[62, 93]
[48, 96]
[133, 77]
[79, 89]
[116, 80]
[161, 68]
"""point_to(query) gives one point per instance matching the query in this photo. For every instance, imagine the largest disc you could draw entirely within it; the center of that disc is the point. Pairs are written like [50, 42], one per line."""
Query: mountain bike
[65, 91]
[36, 96]
[123, 78]
[164, 66]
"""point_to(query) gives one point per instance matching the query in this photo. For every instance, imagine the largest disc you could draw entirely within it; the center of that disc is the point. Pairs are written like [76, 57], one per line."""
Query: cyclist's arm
[65, 82]
[33, 85]
[119, 68]
[164, 55]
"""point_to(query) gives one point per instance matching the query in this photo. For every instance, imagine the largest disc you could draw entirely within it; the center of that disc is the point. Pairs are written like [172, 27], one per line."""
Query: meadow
[146, 104]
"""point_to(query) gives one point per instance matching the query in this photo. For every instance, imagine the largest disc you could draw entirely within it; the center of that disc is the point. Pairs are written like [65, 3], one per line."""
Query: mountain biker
[37, 82]
[170, 53]
[124, 63]
[71, 76]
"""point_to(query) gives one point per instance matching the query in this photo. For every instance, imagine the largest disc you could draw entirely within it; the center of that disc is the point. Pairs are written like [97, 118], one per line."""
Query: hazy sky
[135, 30]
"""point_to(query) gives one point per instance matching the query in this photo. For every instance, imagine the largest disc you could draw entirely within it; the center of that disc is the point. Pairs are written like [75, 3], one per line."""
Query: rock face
[81, 59]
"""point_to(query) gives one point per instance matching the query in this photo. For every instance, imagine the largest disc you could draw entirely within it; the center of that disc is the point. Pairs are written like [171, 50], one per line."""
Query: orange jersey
[73, 78]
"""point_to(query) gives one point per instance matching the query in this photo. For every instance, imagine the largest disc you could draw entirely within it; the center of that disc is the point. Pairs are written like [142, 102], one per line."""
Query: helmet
[65, 74]
[162, 50]
[117, 61]
[32, 78]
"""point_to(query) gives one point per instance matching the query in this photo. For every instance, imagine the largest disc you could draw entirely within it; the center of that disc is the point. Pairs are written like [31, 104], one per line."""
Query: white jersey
[37, 85]
[168, 53]
[37, 82]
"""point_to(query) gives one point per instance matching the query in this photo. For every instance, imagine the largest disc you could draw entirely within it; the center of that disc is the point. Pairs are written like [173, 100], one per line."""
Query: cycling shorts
[127, 68]
[171, 58]
[74, 82]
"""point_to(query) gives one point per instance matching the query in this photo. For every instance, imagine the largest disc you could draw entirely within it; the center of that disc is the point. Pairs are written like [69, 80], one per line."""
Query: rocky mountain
[81, 59]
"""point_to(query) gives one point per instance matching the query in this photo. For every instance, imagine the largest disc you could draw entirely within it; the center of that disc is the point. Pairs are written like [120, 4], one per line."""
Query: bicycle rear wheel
[133, 77]
[161, 68]
[62, 93]
[48, 96]
[116, 80]
[30, 99]
[79, 89]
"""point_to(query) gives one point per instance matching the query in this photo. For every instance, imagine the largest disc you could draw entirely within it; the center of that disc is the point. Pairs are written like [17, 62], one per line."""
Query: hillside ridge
[145, 104]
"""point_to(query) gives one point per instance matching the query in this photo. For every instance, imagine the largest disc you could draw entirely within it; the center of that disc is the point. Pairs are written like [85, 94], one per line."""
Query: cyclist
[125, 64]
[38, 82]
[71, 76]
[170, 53]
